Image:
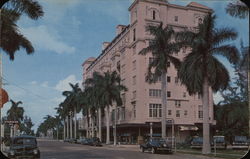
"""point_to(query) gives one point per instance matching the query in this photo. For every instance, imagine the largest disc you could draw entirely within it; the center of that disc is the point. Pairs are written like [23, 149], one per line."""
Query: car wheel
[142, 149]
[153, 150]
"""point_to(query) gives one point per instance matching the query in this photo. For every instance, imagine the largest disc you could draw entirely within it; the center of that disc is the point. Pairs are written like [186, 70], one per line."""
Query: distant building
[142, 102]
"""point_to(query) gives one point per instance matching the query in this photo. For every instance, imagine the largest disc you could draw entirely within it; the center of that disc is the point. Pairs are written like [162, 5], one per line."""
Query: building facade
[141, 110]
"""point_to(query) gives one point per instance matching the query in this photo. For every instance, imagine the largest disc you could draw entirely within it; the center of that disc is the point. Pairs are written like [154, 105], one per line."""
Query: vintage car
[95, 141]
[24, 147]
[240, 142]
[85, 141]
[219, 142]
[196, 142]
[155, 145]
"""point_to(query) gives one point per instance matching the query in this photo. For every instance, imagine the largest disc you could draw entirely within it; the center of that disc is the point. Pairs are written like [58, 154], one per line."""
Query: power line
[30, 92]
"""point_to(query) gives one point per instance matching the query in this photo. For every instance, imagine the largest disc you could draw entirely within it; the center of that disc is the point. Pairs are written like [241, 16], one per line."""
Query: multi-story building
[142, 102]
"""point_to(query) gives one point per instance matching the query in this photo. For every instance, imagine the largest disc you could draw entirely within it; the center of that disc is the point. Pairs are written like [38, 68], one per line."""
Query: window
[122, 113]
[184, 94]
[178, 103]
[176, 18]
[134, 95]
[153, 15]
[200, 112]
[168, 79]
[155, 110]
[168, 94]
[134, 35]
[185, 113]
[151, 59]
[169, 112]
[168, 64]
[176, 80]
[134, 80]
[134, 50]
[123, 99]
[178, 113]
[134, 65]
[154, 92]
[200, 21]
[123, 69]
[199, 96]
[134, 110]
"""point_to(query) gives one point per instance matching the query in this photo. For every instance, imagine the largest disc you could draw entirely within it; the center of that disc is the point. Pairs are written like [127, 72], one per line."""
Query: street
[51, 149]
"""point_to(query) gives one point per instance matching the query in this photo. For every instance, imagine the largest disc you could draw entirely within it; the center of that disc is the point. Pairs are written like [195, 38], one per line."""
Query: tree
[237, 9]
[72, 100]
[162, 49]
[26, 126]
[15, 112]
[201, 70]
[11, 40]
[106, 89]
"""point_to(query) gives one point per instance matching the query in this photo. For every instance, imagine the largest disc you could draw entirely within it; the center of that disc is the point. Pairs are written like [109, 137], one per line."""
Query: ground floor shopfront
[137, 133]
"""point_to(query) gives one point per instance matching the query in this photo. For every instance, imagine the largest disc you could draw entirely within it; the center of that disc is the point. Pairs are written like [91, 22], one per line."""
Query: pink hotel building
[141, 110]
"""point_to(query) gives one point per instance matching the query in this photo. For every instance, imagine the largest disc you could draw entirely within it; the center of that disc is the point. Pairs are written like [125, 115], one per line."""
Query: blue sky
[70, 32]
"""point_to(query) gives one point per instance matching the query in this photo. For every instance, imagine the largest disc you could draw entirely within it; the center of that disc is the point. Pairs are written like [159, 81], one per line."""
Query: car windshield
[155, 141]
[24, 141]
[241, 138]
[219, 139]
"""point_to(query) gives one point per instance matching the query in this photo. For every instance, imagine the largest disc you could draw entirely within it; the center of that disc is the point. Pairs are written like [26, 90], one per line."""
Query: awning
[189, 127]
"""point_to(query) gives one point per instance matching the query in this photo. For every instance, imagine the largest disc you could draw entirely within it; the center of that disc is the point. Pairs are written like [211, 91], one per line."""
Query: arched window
[200, 21]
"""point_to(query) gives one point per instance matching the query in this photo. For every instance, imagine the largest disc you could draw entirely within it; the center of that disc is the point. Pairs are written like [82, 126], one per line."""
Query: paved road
[59, 150]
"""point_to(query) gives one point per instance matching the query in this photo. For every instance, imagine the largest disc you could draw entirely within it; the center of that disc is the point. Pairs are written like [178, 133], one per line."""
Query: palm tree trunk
[71, 128]
[100, 123]
[75, 121]
[164, 104]
[115, 128]
[87, 131]
[64, 130]
[107, 126]
[206, 149]
[68, 127]
[92, 125]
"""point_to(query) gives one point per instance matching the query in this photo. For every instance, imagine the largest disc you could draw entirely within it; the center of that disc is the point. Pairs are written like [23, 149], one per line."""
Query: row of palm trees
[101, 92]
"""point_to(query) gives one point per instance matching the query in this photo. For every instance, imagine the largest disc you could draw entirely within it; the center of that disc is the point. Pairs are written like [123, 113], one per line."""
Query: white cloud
[42, 39]
[63, 85]
[33, 82]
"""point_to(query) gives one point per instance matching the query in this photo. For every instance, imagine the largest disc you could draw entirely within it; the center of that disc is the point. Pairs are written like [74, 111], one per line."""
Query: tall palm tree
[237, 9]
[240, 10]
[62, 115]
[162, 48]
[11, 40]
[107, 90]
[93, 95]
[201, 70]
[72, 98]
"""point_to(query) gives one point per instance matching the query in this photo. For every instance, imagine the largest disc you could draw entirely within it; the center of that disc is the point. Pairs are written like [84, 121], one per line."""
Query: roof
[198, 5]
[91, 59]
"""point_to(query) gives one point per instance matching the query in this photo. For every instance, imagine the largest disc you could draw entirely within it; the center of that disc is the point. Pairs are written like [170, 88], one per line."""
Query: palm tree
[62, 115]
[93, 95]
[15, 113]
[237, 9]
[72, 98]
[201, 70]
[240, 10]
[11, 40]
[107, 89]
[162, 48]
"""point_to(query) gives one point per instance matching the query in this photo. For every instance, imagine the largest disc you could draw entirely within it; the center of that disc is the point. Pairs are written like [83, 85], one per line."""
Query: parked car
[73, 141]
[95, 141]
[220, 142]
[240, 142]
[85, 141]
[24, 147]
[155, 145]
[66, 140]
[196, 142]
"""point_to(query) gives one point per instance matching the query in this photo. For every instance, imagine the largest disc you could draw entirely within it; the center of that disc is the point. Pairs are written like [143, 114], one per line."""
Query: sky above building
[69, 33]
